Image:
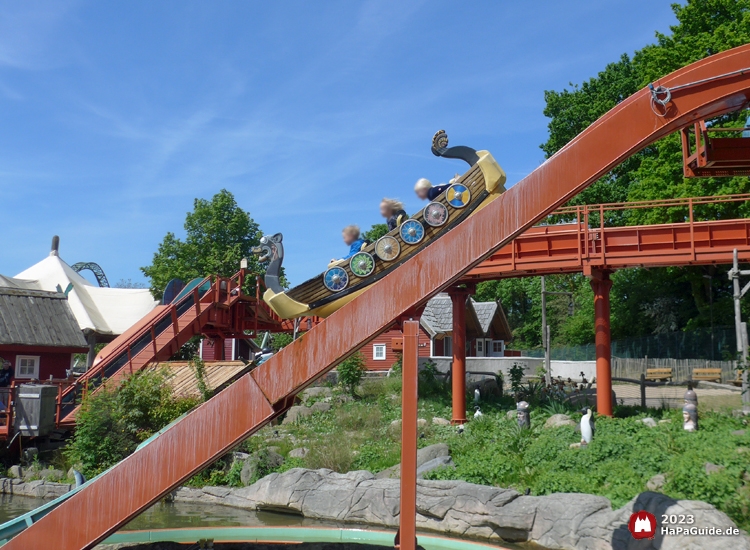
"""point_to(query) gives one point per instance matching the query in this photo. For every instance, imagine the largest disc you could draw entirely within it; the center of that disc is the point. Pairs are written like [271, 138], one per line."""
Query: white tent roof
[109, 311]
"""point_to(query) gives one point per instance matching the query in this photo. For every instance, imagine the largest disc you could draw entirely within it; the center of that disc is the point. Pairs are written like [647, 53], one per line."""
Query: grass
[361, 434]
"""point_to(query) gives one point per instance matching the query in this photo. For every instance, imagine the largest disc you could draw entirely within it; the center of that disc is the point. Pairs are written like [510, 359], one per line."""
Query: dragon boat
[346, 279]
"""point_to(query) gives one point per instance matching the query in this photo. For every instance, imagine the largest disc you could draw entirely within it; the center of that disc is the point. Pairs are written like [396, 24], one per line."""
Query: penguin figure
[587, 428]
[477, 412]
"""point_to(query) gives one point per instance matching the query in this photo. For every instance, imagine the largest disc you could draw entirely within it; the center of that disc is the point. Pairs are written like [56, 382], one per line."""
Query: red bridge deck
[578, 247]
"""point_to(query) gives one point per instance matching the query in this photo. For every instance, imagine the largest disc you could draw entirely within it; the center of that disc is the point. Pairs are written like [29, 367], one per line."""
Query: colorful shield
[435, 214]
[336, 279]
[362, 264]
[387, 248]
[412, 231]
[458, 195]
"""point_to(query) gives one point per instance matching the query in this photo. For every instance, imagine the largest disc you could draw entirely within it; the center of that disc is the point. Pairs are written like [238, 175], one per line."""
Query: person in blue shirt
[425, 189]
[351, 238]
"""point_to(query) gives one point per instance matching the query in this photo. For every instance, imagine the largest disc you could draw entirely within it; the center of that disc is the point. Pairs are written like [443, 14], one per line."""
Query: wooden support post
[601, 285]
[406, 538]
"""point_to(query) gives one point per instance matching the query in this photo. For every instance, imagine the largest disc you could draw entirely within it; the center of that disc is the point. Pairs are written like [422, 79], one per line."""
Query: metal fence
[682, 369]
[719, 344]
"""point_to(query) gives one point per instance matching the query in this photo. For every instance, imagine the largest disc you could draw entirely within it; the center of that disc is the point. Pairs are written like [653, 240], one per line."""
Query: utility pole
[545, 336]
[740, 327]
[546, 331]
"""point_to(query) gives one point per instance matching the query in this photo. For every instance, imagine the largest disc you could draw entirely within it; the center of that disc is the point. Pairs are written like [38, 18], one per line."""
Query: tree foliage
[659, 300]
[115, 419]
[218, 235]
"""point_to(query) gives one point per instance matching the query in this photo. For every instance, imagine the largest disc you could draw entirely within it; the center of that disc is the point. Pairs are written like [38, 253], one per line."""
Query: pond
[165, 515]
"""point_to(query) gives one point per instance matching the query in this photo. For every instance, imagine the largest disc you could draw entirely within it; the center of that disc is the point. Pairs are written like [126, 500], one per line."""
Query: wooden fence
[682, 369]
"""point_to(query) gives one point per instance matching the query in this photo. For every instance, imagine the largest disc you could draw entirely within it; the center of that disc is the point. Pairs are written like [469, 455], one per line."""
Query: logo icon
[642, 525]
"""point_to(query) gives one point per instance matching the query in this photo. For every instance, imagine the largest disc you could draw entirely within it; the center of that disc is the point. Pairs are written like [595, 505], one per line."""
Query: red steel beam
[216, 426]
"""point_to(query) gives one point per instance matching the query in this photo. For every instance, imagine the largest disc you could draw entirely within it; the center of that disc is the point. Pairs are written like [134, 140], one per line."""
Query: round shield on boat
[387, 248]
[336, 279]
[362, 264]
[458, 195]
[412, 231]
[435, 214]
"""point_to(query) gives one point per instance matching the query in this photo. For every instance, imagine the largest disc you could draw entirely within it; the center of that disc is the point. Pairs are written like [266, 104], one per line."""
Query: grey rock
[557, 420]
[434, 464]
[301, 452]
[510, 415]
[52, 475]
[424, 456]
[575, 445]
[438, 421]
[263, 460]
[37, 489]
[396, 423]
[656, 483]
[15, 471]
[615, 524]
[320, 406]
[743, 450]
[665, 421]
[559, 521]
[317, 392]
[650, 422]
[421, 422]
[739, 432]
[712, 468]
[295, 413]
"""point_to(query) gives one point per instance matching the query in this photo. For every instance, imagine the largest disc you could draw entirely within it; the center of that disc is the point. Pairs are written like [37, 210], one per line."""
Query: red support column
[406, 538]
[601, 285]
[458, 371]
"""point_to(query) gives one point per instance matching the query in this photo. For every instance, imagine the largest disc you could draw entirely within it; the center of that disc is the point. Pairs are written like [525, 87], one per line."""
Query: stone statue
[522, 413]
[690, 417]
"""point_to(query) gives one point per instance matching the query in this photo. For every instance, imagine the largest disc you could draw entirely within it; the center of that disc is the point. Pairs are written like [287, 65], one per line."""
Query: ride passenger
[393, 211]
[425, 189]
[351, 238]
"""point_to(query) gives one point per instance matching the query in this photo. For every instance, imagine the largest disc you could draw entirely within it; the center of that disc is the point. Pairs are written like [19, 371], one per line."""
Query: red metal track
[578, 247]
[244, 407]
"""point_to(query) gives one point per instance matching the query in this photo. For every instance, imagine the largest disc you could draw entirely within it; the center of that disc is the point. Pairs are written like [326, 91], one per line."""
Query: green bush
[351, 371]
[115, 419]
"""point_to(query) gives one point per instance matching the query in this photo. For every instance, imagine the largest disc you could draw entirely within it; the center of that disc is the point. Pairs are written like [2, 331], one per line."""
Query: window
[378, 352]
[27, 366]
[498, 348]
[447, 346]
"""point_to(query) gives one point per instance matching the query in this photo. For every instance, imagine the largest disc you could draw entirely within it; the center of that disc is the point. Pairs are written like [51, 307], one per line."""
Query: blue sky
[114, 116]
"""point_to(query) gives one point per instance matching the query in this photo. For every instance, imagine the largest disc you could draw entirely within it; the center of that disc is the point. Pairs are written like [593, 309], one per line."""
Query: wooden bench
[709, 375]
[659, 374]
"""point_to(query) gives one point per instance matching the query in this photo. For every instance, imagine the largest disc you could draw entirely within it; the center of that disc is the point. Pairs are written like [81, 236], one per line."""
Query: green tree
[218, 235]
[375, 232]
[657, 300]
[115, 419]
[350, 372]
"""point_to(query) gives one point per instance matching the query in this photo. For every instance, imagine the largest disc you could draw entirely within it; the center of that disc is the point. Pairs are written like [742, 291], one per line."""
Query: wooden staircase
[210, 307]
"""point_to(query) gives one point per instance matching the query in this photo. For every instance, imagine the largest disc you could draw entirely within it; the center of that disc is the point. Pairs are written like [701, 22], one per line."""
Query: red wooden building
[487, 331]
[38, 333]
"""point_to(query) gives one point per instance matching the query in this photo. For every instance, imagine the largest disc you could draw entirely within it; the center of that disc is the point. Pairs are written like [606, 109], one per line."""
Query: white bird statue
[587, 428]
[477, 413]
[477, 395]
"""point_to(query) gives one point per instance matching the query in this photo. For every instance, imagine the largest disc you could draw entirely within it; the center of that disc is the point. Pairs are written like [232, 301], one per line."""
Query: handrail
[655, 203]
